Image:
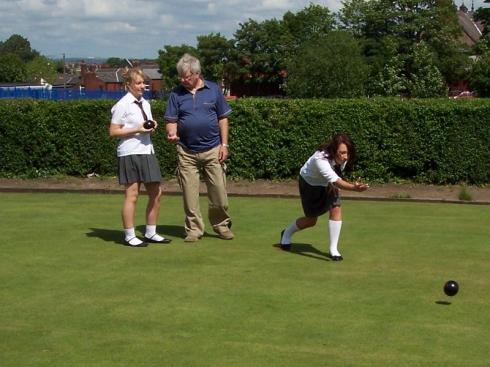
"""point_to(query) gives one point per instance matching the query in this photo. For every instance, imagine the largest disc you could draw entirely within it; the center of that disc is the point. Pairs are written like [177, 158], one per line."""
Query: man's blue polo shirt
[197, 115]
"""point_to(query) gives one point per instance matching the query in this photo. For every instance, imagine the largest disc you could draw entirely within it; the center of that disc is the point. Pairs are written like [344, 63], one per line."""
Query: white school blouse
[319, 170]
[127, 113]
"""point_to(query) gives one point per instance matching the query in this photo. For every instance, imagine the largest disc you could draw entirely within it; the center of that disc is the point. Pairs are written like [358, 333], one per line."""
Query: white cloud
[167, 19]
[33, 5]
[211, 8]
[103, 9]
[276, 4]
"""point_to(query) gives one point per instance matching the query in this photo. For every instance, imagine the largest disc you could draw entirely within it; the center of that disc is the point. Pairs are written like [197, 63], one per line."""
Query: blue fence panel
[66, 94]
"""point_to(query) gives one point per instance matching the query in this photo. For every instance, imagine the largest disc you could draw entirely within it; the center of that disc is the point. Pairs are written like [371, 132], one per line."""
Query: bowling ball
[451, 288]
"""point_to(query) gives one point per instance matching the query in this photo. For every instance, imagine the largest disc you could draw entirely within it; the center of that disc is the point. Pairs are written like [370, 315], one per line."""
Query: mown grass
[71, 295]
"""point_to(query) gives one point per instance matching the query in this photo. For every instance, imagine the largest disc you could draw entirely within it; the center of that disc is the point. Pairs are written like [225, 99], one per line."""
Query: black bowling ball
[451, 288]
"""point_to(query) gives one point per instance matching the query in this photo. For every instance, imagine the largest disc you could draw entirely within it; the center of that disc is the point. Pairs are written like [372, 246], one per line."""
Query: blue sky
[134, 28]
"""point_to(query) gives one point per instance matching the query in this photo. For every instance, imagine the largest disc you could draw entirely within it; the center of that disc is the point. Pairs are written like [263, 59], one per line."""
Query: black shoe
[142, 244]
[335, 258]
[164, 241]
[284, 246]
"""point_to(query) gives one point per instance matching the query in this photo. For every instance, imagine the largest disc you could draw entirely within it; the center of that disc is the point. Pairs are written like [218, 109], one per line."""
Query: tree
[12, 69]
[480, 76]
[414, 74]
[41, 68]
[408, 23]
[311, 22]
[263, 49]
[261, 55]
[167, 60]
[328, 66]
[391, 80]
[216, 54]
[116, 62]
[426, 80]
[19, 46]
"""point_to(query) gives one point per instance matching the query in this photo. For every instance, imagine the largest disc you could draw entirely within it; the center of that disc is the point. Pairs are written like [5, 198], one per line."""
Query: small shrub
[464, 194]
[401, 195]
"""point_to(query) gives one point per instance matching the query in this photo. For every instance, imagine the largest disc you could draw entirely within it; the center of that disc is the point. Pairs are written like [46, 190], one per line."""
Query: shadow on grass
[165, 230]
[305, 249]
[443, 303]
[172, 231]
[108, 235]
[116, 236]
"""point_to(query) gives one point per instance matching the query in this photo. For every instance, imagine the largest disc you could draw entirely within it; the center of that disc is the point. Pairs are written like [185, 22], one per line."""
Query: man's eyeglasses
[187, 77]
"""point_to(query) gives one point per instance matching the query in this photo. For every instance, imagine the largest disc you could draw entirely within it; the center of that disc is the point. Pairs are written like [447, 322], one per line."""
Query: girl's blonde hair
[130, 74]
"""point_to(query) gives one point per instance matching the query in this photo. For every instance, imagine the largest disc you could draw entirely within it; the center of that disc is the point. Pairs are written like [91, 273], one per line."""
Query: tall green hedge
[41, 138]
[433, 140]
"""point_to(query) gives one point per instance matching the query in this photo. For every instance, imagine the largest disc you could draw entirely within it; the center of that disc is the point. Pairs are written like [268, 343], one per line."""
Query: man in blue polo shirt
[197, 120]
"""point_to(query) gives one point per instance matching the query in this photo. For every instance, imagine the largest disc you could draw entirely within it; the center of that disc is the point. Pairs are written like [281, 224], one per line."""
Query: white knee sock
[151, 229]
[130, 236]
[334, 227]
[151, 232]
[288, 232]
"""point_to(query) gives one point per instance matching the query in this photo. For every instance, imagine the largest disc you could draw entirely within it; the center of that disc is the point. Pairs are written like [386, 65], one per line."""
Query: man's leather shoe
[191, 238]
[225, 233]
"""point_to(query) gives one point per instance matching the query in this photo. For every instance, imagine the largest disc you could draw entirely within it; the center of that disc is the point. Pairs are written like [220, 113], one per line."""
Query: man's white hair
[188, 63]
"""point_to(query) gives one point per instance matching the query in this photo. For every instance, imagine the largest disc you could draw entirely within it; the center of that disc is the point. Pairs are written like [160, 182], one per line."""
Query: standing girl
[319, 183]
[137, 162]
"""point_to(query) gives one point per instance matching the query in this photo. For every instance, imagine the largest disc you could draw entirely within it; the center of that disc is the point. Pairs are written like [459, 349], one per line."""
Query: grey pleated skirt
[138, 168]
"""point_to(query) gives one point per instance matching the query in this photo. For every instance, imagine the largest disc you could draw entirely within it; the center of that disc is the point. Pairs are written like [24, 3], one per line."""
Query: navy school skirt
[317, 200]
[138, 168]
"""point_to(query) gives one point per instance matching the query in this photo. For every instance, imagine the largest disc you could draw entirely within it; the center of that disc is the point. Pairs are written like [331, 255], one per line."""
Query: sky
[135, 28]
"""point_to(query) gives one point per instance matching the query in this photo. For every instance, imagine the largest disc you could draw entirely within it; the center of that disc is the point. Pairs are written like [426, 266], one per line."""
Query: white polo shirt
[127, 113]
[319, 170]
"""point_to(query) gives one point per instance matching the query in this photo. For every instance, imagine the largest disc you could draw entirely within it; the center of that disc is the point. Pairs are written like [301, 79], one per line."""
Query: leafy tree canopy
[328, 66]
[216, 54]
[407, 23]
[41, 68]
[261, 55]
[19, 46]
[12, 69]
[311, 22]
[480, 76]
[116, 62]
[426, 80]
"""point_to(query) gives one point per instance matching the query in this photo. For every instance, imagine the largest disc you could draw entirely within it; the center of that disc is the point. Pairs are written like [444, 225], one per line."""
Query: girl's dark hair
[331, 147]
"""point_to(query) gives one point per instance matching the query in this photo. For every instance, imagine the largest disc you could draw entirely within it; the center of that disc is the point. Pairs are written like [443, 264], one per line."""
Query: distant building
[95, 78]
[154, 80]
[471, 34]
[67, 81]
[472, 30]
